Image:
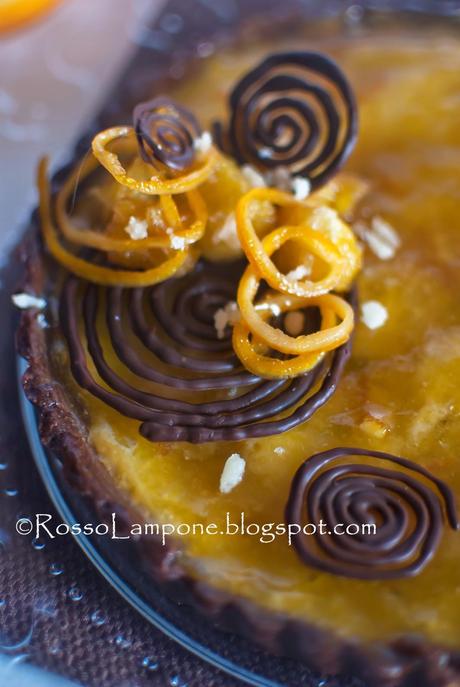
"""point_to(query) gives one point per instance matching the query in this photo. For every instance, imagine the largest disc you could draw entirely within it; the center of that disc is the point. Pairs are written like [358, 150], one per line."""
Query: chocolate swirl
[295, 110]
[166, 133]
[408, 507]
[163, 338]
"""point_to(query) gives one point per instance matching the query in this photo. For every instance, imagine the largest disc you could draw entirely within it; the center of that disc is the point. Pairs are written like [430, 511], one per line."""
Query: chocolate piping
[165, 133]
[166, 418]
[408, 513]
[294, 110]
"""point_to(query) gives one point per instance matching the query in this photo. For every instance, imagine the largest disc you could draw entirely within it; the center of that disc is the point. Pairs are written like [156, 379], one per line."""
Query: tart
[255, 342]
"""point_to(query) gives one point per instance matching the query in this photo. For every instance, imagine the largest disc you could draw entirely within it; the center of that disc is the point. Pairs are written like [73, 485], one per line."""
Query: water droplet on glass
[46, 607]
[55, 649]
[10, 492]
[150, 663]
[56, 569]
[172, 23]
[38, 545]
[74, 594]
[175, 681]
[98, 618]
[122, 642]
[354, 14]
[205, 49]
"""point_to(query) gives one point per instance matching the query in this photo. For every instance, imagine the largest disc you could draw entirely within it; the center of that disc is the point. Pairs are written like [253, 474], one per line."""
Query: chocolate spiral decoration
[294, 110]
[166, 133]
[165, 335]
[407, 506]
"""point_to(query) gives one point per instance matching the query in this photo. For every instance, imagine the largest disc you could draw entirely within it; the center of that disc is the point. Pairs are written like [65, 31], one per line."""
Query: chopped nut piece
[227, 233]
[177, 242]
[27, 300]
[381, 238]
[224, 317]
[301, 188]
[253, 177]
[373, 314]
[136, 228]
[203, 143]
[233, 473]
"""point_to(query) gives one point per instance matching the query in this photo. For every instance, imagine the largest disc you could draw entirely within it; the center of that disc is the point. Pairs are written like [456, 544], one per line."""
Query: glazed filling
[398, 394]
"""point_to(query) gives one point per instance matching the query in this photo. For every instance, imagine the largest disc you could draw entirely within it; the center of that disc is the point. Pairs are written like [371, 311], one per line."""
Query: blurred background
[58, 59]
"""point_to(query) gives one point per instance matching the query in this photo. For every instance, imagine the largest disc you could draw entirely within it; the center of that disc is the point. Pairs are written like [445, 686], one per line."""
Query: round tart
[249, 334]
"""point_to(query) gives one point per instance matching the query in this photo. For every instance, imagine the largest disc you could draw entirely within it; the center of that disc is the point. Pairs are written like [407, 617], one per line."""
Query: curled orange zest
[156, 184]
[320, 243]
[99, 274]
[98, 240]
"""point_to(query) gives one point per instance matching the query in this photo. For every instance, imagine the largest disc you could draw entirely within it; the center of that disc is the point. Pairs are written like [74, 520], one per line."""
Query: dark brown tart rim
[407, 661]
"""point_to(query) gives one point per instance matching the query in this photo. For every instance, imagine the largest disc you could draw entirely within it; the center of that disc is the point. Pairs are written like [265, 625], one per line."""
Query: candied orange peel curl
[156, 184]
[100, 274]
[334, 258]
[157, 212]
[338, 249]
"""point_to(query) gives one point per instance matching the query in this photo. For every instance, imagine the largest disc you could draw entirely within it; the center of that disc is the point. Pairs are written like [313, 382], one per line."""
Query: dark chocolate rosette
[154, 355]
[295, 110]
[166, 133]
[403, 500]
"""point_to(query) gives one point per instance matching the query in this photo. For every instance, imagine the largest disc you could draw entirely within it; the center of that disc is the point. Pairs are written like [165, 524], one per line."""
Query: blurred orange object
[15, 13]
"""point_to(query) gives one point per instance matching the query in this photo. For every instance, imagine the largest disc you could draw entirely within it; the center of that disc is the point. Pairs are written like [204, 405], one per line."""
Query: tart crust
[407, 661]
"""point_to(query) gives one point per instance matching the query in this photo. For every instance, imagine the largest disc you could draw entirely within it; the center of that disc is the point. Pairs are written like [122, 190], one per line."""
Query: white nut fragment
[253, 177]
[137, 228]
[177, 242]
[23, 301]
[301, 188]
[225, 316]
[203, 143]
[382, 238]
[282, 179]
[373, 314]
[227, 233]
[233, 473]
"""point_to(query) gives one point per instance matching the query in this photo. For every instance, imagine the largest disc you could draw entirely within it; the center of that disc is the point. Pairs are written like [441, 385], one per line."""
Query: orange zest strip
[155, 185]
[325, 237]
[99, 241]
[98, 274]
[252, 351]
[326, 340]
[318, 242]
